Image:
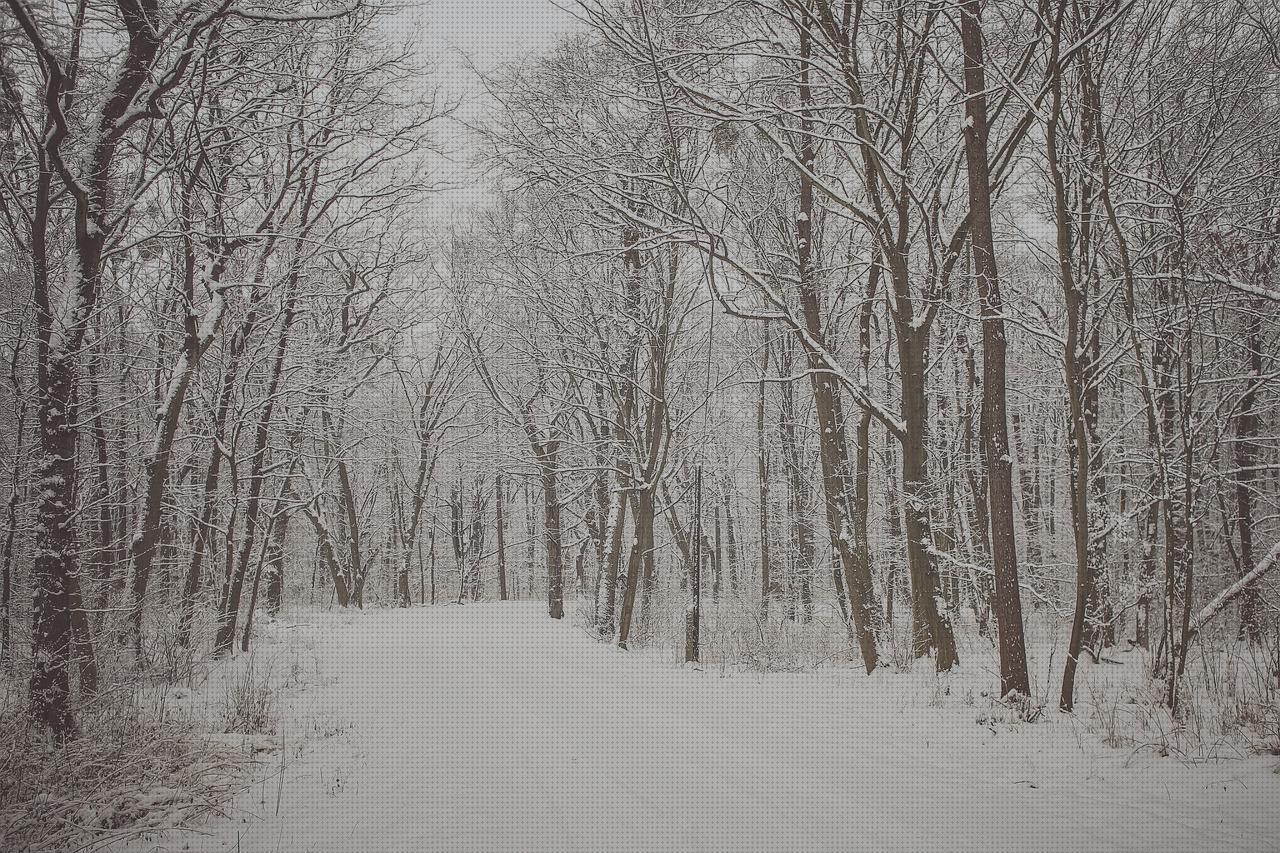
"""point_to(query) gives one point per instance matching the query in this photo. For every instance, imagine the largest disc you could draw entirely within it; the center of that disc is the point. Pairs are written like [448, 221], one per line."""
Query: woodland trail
[490, 727]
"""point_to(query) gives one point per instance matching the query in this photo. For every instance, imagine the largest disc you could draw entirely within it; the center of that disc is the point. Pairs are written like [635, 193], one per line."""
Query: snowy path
[490, 727]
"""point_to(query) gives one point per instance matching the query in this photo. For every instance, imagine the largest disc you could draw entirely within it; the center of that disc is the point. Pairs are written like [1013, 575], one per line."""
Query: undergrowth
[1228, 698]
[129, 772]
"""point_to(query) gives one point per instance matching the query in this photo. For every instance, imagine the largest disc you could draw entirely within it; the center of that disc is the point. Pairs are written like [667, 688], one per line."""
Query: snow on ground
[491, 727]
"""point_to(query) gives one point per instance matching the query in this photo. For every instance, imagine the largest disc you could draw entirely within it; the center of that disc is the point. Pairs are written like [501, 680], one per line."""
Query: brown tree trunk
[862, 440]
[731, 542]
[276, 560]
[546, 453]
[976, 477]
[431, 556]
[142, 547]
[55, 562]
[456, 537]
[55, 572]
[328, 555]
[107, 521]
[1246, 456]
[717, 553]
[499, 498]
[613, 561]
[202, 538]
[863, 605]
[693, 613]
[265, 563]
[762, 474]
[233, 585]
[1101, 614]
[1007, 601]
[351, 525]
[642, 543]
[931, 629]
[10, 531]
[803, 551]
[1028, 500]
[893, 517]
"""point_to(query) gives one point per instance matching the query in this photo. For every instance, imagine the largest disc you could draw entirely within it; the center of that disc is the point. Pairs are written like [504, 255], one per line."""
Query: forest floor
[490, 727]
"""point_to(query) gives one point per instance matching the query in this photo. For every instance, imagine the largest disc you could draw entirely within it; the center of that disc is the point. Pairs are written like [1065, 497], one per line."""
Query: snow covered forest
[712, 418]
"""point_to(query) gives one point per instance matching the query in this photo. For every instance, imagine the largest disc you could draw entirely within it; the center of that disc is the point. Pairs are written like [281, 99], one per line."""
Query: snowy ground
[490, 727]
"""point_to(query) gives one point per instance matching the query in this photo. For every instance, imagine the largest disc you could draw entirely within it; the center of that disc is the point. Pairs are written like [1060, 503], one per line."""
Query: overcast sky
[486, 32]
[490, 31]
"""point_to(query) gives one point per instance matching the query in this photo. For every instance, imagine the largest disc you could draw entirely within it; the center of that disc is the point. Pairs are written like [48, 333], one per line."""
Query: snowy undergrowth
[155, 750]
[1228, 699]
[1228, 703]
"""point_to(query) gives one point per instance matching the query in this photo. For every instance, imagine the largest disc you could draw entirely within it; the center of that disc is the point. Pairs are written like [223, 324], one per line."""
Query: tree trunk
[10, 532]
[351, 524]
[642, 542]
[1246, 456]
[107, 521]
[976, 477]
[931, 629]
[803, 552]
[1007, 602]
[862, 441]
[142, 547]
[233, 585]
[893, 518]
[1074, 372]
[328, 555]
[203, 535]
[613, 561]
[762, 475]
[499, 498]
[55, 572]
[1030, 504]
[276, 560]
[546, 453]
[731, 542]
[55, 560]
[431, 556]
[863, 606]
[693, 613]
[717, 553]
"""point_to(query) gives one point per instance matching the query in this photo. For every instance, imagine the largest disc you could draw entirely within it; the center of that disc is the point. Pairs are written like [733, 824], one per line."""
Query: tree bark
[233, 585]
[499, 498]
[146, 538]
[863, 605]
[641, 544]
[731, 541]
[1246, 456]
[1007, 596]
[762, 475]
[546, 453]
[931, 629]
[613, 562]
[693, 613]
[10, 532]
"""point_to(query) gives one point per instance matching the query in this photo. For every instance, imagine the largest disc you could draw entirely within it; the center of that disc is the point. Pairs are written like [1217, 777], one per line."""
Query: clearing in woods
[491, 727]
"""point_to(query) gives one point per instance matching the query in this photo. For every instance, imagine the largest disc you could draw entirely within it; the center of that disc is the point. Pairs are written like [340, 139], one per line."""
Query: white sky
[488, 33]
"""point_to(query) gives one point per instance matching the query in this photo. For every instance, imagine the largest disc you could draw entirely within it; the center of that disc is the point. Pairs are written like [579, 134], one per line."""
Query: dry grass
[142, 762]
[249, 702]
[1228, 705]
[127, 774]
[1228, 699]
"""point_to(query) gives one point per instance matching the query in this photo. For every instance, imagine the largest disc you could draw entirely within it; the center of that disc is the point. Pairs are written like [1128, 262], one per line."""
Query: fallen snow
[491, 727]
